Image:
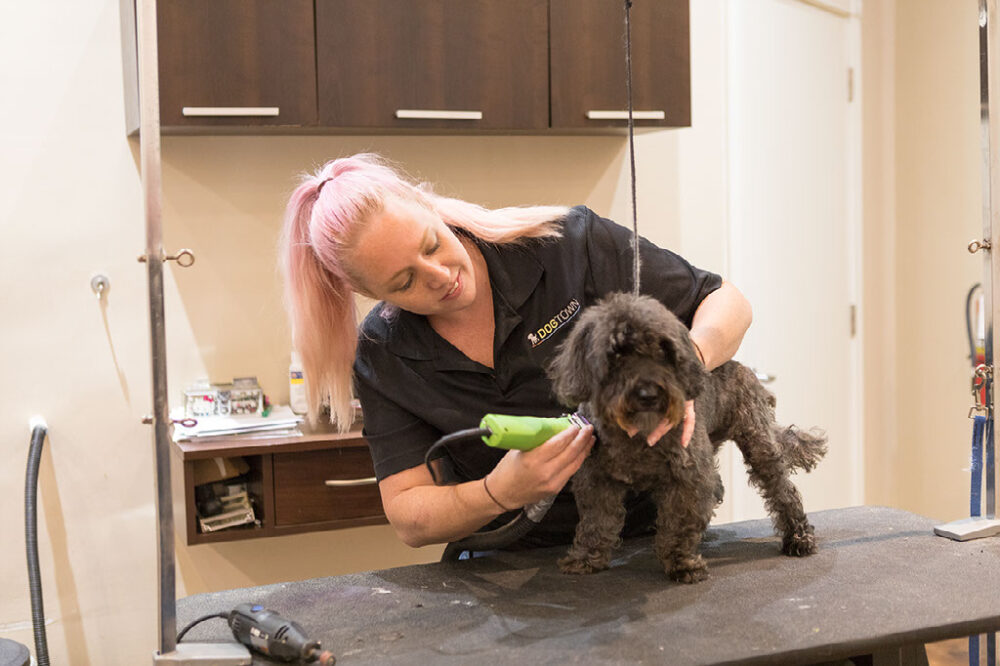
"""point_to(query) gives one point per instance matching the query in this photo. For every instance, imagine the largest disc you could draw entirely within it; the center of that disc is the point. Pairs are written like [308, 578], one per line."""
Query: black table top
[880, 579]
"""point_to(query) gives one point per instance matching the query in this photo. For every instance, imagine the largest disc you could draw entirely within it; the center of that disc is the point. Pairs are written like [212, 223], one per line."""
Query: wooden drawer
[301, 495]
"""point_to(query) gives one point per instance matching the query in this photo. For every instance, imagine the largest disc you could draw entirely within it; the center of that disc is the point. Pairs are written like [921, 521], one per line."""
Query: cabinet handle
[623, 115]
[348, 483]
[229, 111]
[423, 114]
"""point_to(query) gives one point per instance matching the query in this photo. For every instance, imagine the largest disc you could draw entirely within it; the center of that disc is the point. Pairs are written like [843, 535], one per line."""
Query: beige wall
[922, 205]
[70, 207]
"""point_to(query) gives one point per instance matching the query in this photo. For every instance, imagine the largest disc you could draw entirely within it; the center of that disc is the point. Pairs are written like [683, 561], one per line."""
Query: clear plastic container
[297, 386]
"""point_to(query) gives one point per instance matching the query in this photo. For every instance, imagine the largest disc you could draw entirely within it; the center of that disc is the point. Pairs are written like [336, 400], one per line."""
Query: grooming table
[881, 584]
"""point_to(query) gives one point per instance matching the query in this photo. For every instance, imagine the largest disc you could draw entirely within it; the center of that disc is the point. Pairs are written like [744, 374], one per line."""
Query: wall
[922, 206]
[71, 207]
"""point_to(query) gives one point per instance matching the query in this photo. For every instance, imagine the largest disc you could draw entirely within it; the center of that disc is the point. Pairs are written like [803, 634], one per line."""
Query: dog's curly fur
[628, 362]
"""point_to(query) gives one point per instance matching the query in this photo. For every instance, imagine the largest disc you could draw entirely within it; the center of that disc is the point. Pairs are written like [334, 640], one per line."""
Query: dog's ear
[572, 366]
[679, 350]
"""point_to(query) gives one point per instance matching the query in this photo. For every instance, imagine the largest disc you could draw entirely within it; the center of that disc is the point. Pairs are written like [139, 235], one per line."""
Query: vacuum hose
[38, 432]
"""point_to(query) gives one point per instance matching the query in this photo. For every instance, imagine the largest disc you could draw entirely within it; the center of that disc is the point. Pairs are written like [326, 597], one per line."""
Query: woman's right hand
[526, 477]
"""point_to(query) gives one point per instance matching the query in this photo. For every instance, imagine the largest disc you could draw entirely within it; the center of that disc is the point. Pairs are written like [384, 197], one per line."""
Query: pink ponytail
[322, 215]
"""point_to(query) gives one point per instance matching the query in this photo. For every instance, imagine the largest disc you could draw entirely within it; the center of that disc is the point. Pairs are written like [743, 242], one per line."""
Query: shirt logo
[552, 325]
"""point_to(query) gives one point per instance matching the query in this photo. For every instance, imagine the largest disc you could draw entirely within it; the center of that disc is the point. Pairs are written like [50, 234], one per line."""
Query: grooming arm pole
[989, 83]
[168, 652]
[989, 245]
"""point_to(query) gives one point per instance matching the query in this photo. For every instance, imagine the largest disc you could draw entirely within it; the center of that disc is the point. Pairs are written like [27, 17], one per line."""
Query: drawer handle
[348, 483]
[421, 114]
[623, 115]
[229, 111]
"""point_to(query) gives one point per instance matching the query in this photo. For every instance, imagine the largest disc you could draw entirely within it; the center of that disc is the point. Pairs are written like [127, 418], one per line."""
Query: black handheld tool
[268, 633]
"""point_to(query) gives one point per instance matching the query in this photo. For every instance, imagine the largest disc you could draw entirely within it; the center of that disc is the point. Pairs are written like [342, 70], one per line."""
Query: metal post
[149, 158]
[989, 82]
[169, 652]
[989, 122]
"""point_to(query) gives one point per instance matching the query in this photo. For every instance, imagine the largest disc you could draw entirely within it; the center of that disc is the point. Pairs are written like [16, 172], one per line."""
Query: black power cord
[192, 623]
[469, 434]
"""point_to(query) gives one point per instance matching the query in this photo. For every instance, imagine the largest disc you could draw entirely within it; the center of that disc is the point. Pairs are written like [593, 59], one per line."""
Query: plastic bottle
[297, 385]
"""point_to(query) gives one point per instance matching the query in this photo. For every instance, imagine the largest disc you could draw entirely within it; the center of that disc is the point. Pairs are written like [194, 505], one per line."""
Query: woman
[473, 303]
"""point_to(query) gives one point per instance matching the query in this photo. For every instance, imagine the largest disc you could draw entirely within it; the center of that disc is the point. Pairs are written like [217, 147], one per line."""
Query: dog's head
[632, 360]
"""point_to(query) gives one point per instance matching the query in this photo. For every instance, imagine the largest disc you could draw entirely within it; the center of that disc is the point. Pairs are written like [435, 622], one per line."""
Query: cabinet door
[454, 64]
[588, 62]
[236, 62]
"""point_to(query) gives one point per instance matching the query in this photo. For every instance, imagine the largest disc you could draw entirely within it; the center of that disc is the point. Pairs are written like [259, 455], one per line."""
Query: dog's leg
[600, 501]
[769, 473]
[684, 509]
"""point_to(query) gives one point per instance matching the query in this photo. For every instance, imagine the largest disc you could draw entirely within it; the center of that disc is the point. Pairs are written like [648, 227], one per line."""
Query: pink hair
[322, 215]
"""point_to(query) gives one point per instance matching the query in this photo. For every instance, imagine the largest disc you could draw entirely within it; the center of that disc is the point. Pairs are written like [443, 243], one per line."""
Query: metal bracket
[205, 654]
[184, 258]
[980, 376]
[977, 245]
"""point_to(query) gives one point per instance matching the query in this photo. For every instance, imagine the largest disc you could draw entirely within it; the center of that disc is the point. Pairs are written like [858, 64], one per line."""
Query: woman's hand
[526, 477]
[666, 426]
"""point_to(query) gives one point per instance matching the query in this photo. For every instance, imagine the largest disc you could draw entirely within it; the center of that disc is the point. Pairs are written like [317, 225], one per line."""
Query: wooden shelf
[286, 483]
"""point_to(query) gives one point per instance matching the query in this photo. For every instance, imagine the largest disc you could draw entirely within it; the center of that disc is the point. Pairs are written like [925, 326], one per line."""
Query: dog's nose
[647, 395]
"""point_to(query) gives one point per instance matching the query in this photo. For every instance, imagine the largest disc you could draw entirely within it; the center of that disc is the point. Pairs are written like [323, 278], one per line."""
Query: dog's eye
[621, 339]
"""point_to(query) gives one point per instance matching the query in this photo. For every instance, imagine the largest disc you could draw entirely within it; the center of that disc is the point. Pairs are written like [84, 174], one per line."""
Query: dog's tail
[800, 449]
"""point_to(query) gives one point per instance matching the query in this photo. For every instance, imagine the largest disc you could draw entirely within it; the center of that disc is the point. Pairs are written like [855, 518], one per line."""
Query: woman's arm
[719, 325]
[423, 513]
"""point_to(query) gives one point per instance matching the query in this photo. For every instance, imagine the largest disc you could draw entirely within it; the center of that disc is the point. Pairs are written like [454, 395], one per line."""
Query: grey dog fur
[630, 361]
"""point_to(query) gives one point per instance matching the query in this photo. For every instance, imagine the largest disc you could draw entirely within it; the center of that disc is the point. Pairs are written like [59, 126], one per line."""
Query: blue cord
[975, 496]
[981, 426]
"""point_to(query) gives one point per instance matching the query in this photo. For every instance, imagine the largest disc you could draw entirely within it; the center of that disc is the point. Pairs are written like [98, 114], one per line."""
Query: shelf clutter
[280, 422]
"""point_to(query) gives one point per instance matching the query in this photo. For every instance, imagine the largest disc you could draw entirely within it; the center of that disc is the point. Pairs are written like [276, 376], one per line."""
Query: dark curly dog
[630, 362]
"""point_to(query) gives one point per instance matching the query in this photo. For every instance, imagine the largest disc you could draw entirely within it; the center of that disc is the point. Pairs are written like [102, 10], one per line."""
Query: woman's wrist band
[495, 500]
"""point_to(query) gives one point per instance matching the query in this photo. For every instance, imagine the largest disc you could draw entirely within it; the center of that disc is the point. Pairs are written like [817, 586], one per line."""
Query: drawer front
[301, 494]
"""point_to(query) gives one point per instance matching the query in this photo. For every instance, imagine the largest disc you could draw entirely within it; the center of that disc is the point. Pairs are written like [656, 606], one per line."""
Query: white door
[792, 153]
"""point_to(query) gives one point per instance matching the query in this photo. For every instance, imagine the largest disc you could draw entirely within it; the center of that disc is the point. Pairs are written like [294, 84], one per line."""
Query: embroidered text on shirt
[551, 326]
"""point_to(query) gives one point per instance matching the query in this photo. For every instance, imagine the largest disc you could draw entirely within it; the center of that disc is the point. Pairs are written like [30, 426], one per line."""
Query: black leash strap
[631, 146]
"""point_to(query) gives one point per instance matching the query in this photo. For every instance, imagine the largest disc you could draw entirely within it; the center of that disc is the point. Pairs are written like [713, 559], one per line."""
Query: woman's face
[407, 256]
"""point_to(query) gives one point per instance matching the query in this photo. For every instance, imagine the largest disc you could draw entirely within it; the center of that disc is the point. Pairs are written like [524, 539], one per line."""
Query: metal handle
[348, 483]
[977, 245]
[229, 111]
[423, 114]
[623, 115]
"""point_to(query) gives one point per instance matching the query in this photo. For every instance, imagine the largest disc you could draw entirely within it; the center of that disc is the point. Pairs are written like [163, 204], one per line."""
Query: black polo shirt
[415, 387]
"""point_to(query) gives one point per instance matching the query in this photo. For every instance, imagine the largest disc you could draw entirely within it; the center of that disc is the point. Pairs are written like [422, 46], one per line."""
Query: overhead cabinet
[409, 65]
[237, 63]
[443, 64]
[588, 63]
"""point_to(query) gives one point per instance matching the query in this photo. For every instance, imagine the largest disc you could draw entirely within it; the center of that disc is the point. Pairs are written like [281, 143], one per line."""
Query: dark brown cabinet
[442, 64]
[320, 480]
[588, 63]
[411, 65]
[245, 63]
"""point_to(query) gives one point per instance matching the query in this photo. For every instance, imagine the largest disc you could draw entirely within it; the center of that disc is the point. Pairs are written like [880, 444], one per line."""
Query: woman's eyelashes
[429, 251]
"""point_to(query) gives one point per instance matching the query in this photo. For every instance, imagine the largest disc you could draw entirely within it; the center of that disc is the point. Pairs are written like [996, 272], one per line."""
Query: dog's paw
[800, 543]
[688, 570]
[581, 565]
